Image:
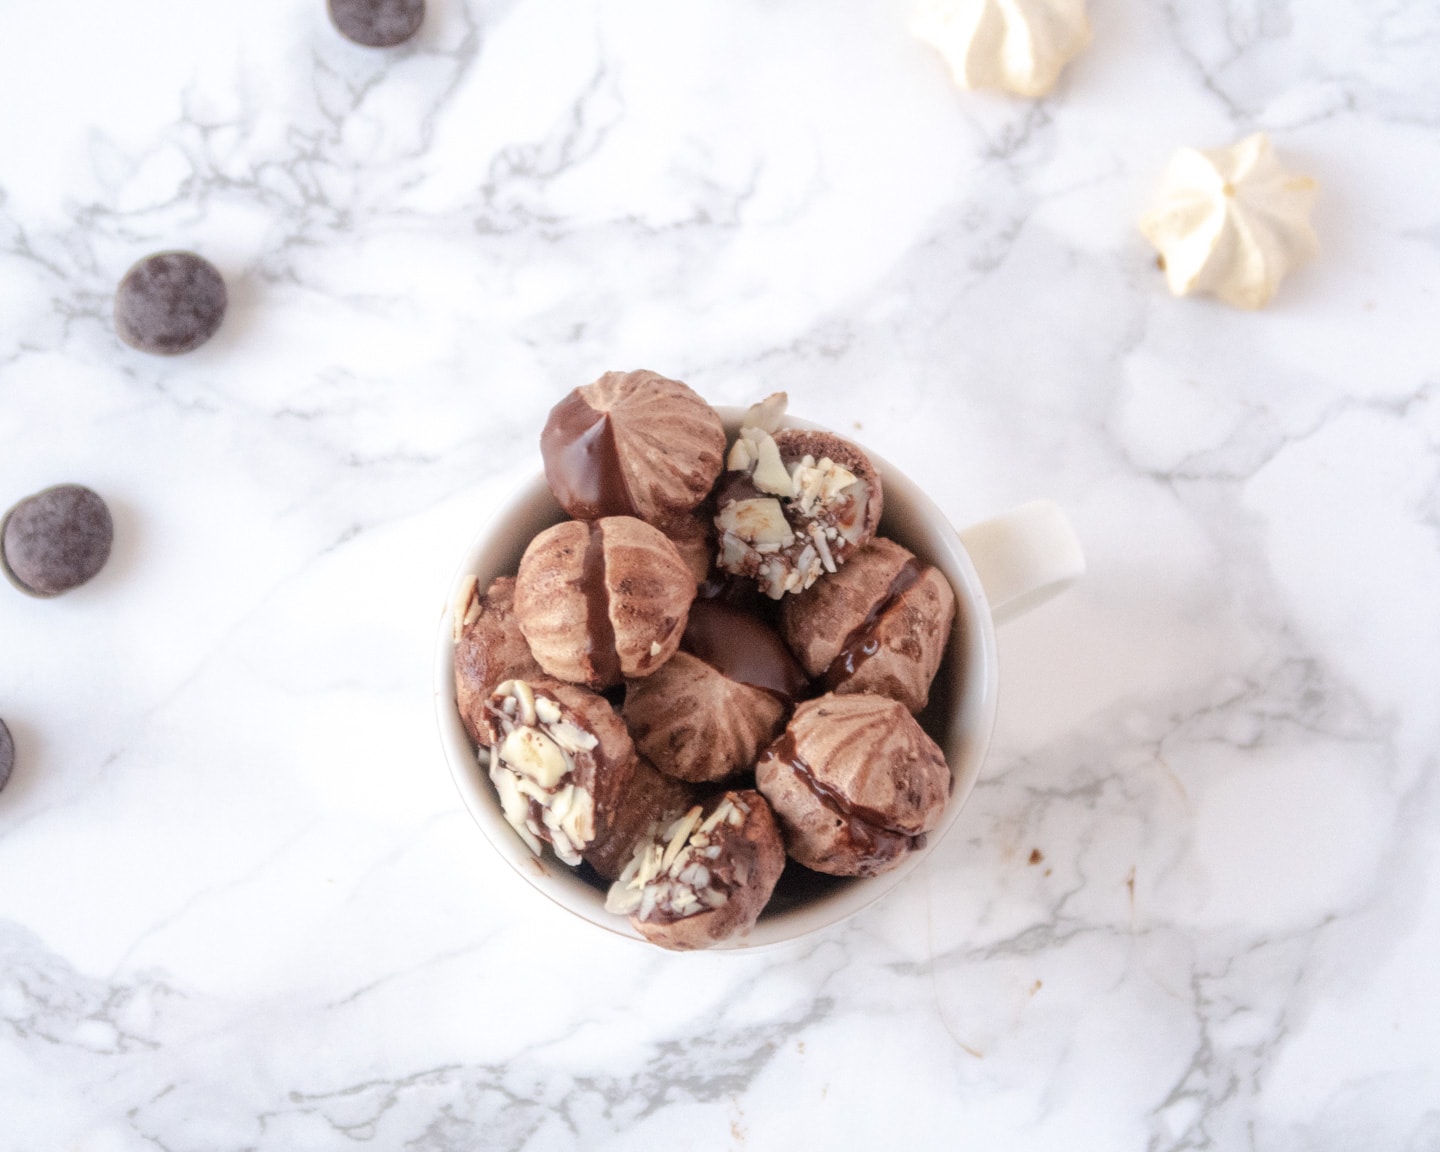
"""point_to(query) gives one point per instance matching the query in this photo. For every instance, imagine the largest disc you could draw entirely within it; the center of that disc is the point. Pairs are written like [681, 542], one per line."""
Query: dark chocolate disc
[7, 755]
[377, 23]
[740, 646]
[169, 303]
[55, 540]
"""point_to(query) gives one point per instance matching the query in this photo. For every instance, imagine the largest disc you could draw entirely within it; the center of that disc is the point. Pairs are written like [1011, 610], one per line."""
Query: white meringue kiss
[1231, 222]
[1016, 45]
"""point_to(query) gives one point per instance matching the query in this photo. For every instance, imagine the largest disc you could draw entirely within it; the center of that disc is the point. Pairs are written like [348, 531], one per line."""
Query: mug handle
[1024, 557]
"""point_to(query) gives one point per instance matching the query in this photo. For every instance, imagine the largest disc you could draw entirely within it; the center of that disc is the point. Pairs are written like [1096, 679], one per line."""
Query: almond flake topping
[533, 769]
[670, 870]
[466, 609]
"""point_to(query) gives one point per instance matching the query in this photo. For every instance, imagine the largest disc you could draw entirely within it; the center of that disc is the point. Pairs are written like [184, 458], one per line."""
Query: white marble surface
[241, 905]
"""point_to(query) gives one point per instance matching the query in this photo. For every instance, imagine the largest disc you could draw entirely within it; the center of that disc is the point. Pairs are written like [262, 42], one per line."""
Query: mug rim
[968, 715]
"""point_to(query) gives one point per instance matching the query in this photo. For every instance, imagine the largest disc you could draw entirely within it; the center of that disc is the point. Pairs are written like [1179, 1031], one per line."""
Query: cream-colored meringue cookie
[1017, 45]
[1231, 222]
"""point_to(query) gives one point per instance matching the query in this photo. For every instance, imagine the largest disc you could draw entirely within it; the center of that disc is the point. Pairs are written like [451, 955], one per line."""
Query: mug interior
[960, 715]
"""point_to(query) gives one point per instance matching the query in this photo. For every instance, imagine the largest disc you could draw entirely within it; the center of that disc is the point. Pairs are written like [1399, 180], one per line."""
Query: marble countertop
[1193, 902]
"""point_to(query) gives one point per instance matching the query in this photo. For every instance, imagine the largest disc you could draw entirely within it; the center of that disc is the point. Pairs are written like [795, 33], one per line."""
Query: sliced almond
[572, 737]
[742, 455]
[531, 753]
[770, 473]
[515, 806]
[767, 413]
[682, 829]
[757, 521]
[465, 600]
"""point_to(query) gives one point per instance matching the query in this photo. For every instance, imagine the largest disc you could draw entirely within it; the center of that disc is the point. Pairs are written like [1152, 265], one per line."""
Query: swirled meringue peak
[1016, 45]
[1231, 222]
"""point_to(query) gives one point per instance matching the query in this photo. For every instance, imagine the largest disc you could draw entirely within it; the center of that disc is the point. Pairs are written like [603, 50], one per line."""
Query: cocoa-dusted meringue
[717, 702]
[649, 799]
[855, 783]
[1231, 222]
[703, 877]
[878, 625]
[560, 760]
[1019, 46]
[602, 601]
[489, 648]
[793, 506]
[632, 444]
[693, 534]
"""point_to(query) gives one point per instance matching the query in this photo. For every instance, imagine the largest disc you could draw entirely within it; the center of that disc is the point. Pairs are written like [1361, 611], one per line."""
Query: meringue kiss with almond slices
[793, 506]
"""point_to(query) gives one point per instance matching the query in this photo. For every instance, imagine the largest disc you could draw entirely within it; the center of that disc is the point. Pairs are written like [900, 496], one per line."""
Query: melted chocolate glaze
[865, 827]
[738, 485]
[600, 632]
[739, 646]
[582, 463]
[862, 643]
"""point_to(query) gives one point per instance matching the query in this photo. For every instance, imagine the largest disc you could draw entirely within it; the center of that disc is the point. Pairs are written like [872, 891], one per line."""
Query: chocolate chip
[7, 755]
[55, 540]
[377, 23]
[169, 303]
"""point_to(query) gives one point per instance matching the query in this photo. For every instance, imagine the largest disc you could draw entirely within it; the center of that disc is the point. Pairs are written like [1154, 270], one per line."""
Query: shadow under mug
[998, 568]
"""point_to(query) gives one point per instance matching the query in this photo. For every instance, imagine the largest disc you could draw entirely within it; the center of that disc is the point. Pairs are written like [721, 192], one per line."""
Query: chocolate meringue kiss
[705, 876]
[489, 649]
[560, 760]
[878, 625]
[793, 506]
[717, 702]
[855, 783]
[632, 444]
[603, 601]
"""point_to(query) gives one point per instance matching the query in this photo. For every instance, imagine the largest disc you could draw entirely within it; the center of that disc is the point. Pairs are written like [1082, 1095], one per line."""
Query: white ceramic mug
[998, 569]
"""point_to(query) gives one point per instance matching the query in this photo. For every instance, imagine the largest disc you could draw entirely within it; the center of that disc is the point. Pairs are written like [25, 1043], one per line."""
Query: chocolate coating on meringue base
[603, 601]
[855, 783]
[632, 444]
[880, 624]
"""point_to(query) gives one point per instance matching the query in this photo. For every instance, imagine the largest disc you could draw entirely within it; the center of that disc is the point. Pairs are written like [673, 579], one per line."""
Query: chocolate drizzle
[582, 462]
[863, 643]
[738, 485]
[600, 632]
[865, 827]
[739, 646]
